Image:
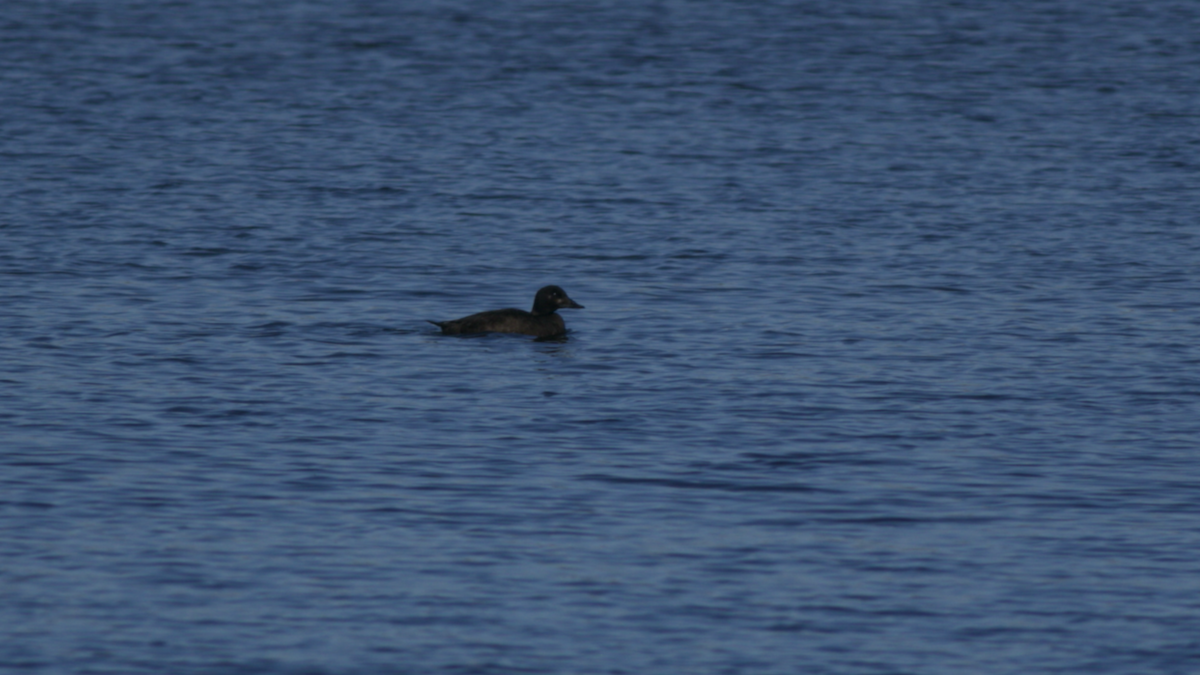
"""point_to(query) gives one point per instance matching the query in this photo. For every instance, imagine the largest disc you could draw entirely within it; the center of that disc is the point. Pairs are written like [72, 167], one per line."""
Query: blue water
[889, 363]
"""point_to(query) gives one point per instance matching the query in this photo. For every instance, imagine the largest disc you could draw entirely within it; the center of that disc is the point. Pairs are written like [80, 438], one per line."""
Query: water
[889, 361]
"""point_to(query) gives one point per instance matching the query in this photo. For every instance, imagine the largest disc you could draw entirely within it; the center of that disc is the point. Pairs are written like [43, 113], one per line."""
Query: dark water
[889, 362]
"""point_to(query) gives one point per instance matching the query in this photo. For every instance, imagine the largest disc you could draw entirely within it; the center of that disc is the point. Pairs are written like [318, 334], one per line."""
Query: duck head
[550, 299]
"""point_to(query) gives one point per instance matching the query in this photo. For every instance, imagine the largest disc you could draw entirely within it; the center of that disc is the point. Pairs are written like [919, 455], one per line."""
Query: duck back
[505, 321]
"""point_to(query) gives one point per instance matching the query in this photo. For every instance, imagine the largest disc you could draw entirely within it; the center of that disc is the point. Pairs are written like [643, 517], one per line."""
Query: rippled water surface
[889, 363]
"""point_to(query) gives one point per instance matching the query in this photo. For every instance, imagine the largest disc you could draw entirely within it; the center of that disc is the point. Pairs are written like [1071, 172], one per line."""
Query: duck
[542, 322]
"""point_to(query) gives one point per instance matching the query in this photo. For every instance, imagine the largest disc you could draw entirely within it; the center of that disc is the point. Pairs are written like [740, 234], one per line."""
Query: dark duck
[543, 321]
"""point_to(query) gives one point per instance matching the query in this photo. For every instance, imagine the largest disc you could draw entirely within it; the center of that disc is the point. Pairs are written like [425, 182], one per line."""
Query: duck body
[542, 322]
